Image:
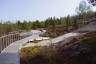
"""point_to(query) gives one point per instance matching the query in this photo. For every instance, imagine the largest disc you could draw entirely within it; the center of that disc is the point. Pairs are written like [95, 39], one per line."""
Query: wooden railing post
[11, 38]
[8, 39]
[16, 37]
[0, 45]
[3, 43]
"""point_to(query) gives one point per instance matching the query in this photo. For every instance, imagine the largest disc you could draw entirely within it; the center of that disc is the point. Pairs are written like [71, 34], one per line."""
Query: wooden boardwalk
[10, 55]
[8, 39]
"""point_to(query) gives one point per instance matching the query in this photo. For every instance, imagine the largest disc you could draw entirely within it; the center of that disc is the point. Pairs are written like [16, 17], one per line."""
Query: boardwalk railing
[8, 39]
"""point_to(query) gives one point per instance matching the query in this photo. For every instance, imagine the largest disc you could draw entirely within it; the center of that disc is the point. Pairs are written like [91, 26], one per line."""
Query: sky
[14, 10]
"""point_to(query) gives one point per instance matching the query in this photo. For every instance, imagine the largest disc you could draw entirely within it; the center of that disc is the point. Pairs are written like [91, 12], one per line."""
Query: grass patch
[40, 55]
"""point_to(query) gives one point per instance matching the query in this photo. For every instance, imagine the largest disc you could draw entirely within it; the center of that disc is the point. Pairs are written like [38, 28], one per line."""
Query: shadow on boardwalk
[9, 58]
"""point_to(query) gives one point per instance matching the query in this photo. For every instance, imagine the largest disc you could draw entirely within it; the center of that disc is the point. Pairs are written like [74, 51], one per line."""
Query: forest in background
[49, 23]
[83, 12]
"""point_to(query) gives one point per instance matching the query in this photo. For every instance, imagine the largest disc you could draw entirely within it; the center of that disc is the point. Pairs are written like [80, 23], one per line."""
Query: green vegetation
[54, 26]
[39, 55]
[82, 50]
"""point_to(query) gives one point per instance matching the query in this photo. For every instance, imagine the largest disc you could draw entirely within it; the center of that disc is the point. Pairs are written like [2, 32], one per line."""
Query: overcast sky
[14, 10]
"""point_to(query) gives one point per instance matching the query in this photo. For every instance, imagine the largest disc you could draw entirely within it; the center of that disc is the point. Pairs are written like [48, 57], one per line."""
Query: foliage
[39, 55]
[83, 51]
[83, 8]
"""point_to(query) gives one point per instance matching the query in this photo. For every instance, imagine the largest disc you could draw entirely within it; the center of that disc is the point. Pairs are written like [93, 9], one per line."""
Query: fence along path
[8, 39]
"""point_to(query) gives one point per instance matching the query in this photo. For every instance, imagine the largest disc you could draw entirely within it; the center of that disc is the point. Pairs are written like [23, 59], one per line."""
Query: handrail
[10, 38]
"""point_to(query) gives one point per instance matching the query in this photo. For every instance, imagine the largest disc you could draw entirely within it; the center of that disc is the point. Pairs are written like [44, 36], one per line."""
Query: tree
[68, 22]
[8, 27]
[83, 8]
[36, 24]
[92, 2]
[75, 23]
[25, 26]
[19, 25]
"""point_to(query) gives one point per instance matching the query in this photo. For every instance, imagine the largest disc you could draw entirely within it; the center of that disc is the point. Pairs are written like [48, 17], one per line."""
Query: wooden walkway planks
[8, 39]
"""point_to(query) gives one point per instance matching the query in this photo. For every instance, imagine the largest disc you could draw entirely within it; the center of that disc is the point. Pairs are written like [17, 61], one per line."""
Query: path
[10, 55]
